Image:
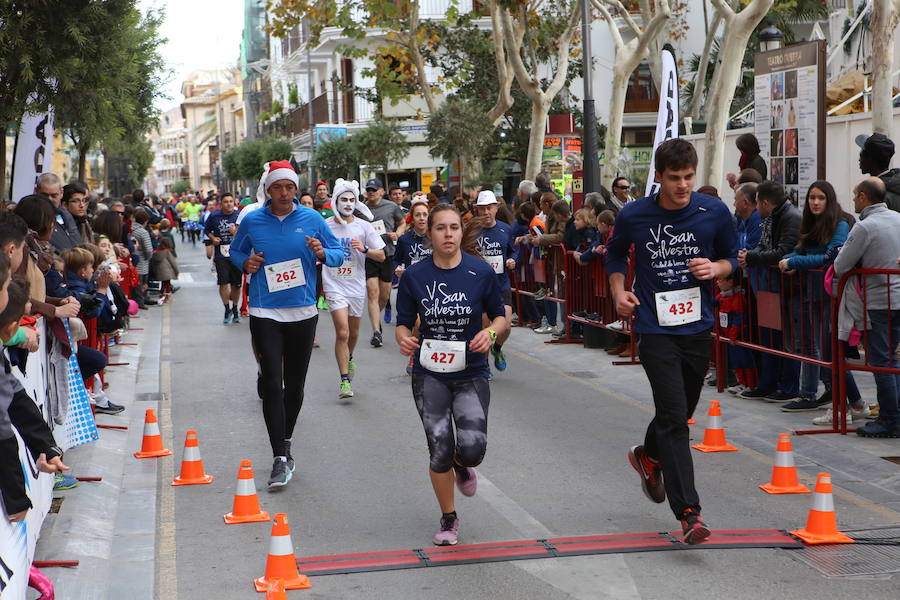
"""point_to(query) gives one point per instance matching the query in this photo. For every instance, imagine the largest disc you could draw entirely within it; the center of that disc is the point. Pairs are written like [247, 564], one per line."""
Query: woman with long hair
[823, 227]
[448, 292]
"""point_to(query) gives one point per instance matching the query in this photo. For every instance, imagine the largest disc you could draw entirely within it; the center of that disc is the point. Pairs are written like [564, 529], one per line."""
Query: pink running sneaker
[466, 481]
[447, 534]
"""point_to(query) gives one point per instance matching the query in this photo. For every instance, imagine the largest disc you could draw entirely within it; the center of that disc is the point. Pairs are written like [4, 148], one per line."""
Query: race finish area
[391, 560]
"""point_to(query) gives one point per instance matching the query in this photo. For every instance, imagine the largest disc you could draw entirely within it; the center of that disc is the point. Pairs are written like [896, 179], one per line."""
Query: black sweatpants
[277, 344]
[675, 366]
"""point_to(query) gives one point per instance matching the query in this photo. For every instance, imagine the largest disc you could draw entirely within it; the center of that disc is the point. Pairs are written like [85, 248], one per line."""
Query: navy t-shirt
[411, 248]
[664, 241]
[219, 224]
[496, 245]
[449, 304]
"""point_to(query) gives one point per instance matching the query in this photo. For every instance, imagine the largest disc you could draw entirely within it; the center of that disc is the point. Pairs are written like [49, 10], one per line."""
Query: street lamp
[770, 38]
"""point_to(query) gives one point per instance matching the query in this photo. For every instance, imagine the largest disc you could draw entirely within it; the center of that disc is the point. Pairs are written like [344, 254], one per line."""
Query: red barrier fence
[775, 314]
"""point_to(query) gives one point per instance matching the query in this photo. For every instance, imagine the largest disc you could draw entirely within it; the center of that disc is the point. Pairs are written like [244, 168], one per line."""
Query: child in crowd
[583, 232]
[17, 409]
[164, 267]
[732, 317]
[604, 223]
[165, 231]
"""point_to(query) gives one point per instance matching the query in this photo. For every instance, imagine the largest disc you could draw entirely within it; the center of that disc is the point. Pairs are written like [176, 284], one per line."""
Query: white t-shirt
[349, 279]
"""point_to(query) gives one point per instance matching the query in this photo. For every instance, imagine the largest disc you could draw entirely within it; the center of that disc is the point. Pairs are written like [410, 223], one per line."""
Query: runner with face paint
[345, 284]
[448, 292]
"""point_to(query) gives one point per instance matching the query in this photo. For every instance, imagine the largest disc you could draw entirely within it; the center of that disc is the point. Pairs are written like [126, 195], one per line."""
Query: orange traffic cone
[191, 464]
[784, 473]
[152, 446]
[246, 504]
[714, 435]
[821, 524]
[281, 563]
[275, 590]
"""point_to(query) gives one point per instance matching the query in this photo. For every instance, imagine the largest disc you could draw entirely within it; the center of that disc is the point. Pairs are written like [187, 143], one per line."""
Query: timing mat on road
[390, 560]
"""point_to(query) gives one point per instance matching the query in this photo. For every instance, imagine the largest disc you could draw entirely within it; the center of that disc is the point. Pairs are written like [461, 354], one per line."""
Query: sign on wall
[789, 91]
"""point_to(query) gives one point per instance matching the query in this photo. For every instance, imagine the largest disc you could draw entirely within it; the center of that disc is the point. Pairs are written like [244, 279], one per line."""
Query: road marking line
[582, 577]
[838, 491]
[166, 575]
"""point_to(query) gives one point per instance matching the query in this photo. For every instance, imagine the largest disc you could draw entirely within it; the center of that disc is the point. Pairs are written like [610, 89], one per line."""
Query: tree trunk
[539, 111]
[82, 163]
[883, 24]
[693, 112]
[731, 55]
[610, 167]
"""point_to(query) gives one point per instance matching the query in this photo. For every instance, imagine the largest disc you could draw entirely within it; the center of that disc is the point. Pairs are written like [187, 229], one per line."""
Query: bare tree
[885, 16]
[628, 56]
[529, 76]
[739, 26]
[693, 111]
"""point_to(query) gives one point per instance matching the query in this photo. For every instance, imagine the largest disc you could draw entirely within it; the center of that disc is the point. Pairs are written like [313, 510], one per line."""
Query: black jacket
[785, 233]
[65, 231]
[891, 181]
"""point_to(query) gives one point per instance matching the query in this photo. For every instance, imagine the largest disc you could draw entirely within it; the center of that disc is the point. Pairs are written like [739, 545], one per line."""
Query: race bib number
[225, 250]
[496, 262]
[723, 320]
[678, 307]
[379, 227]
[342, 272]
[285, 275]
[442, 356]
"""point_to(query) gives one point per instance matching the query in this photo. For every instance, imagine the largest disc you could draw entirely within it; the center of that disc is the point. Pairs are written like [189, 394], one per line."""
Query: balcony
[298, 118]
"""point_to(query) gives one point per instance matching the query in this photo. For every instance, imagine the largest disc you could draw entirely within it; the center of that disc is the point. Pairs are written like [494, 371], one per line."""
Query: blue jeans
[817, 344]
[883, 340]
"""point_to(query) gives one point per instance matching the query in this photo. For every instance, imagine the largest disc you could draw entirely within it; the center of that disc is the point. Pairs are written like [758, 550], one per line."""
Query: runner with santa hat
[278, 244]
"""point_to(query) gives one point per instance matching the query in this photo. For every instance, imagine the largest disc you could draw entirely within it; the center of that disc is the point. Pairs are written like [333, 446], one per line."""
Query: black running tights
[290, 345]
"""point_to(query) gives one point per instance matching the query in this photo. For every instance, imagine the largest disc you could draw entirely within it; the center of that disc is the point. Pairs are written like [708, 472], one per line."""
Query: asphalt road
[561, 421]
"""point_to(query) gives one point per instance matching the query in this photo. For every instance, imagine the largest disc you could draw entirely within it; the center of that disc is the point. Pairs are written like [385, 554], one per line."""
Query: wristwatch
[365, 250]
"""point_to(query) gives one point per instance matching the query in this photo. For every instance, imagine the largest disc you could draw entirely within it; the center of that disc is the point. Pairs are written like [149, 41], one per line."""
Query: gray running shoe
[281, 474]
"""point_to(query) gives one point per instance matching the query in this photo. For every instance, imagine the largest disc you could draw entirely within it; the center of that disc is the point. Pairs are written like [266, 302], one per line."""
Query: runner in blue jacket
[278, 245]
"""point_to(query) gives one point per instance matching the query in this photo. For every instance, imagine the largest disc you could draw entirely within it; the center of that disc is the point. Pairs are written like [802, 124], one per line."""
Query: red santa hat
[273, 171]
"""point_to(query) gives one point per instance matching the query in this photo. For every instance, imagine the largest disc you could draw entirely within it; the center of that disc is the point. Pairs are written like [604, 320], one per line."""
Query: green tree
[459, 130]
[135, 148]
[336, 158]
[181, 186]
[111, 87]
[380, 144]
[36, 49]
[244, 162]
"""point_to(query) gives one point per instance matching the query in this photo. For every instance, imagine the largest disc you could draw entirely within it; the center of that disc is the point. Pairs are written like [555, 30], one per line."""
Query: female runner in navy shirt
[449, 291]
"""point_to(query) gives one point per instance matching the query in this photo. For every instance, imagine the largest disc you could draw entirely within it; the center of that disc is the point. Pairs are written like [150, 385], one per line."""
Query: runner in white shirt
[345, 285]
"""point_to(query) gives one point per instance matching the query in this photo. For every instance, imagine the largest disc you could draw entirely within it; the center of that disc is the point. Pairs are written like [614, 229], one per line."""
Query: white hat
[486, 198]
[348, 188]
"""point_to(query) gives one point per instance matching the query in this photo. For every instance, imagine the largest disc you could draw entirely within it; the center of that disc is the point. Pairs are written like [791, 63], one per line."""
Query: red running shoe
[650, 472]
[693, 527]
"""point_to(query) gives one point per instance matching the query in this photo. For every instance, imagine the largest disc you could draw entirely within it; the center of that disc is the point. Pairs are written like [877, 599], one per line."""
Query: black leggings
[442, 402]
[290, 345]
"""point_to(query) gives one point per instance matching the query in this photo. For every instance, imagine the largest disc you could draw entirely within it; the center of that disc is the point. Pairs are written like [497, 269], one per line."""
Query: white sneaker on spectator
[544, 329]
[617, 326]
[737, 389]
[854, 414]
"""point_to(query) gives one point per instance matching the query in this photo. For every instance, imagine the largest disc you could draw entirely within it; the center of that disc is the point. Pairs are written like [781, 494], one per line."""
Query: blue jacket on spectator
[80, 285]
[579, 239]
[749, 230]
[812, 260]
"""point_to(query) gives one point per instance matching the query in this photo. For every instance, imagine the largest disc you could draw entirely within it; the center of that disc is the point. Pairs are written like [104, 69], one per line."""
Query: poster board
[789, 122]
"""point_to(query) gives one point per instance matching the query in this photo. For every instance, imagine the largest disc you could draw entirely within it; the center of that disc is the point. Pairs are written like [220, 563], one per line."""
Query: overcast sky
[202, 34]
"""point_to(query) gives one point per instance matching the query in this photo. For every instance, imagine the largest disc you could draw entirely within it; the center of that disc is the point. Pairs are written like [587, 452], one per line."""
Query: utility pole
[309, 109]
[591, 163]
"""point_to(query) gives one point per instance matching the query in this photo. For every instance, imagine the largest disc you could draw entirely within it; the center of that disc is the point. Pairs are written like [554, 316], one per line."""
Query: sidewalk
[110, 526]
[857, 465]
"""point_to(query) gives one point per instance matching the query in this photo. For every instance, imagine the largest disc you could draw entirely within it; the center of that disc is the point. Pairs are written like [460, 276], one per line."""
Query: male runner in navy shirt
[682, 242]
[496, 245]
[220, 227]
